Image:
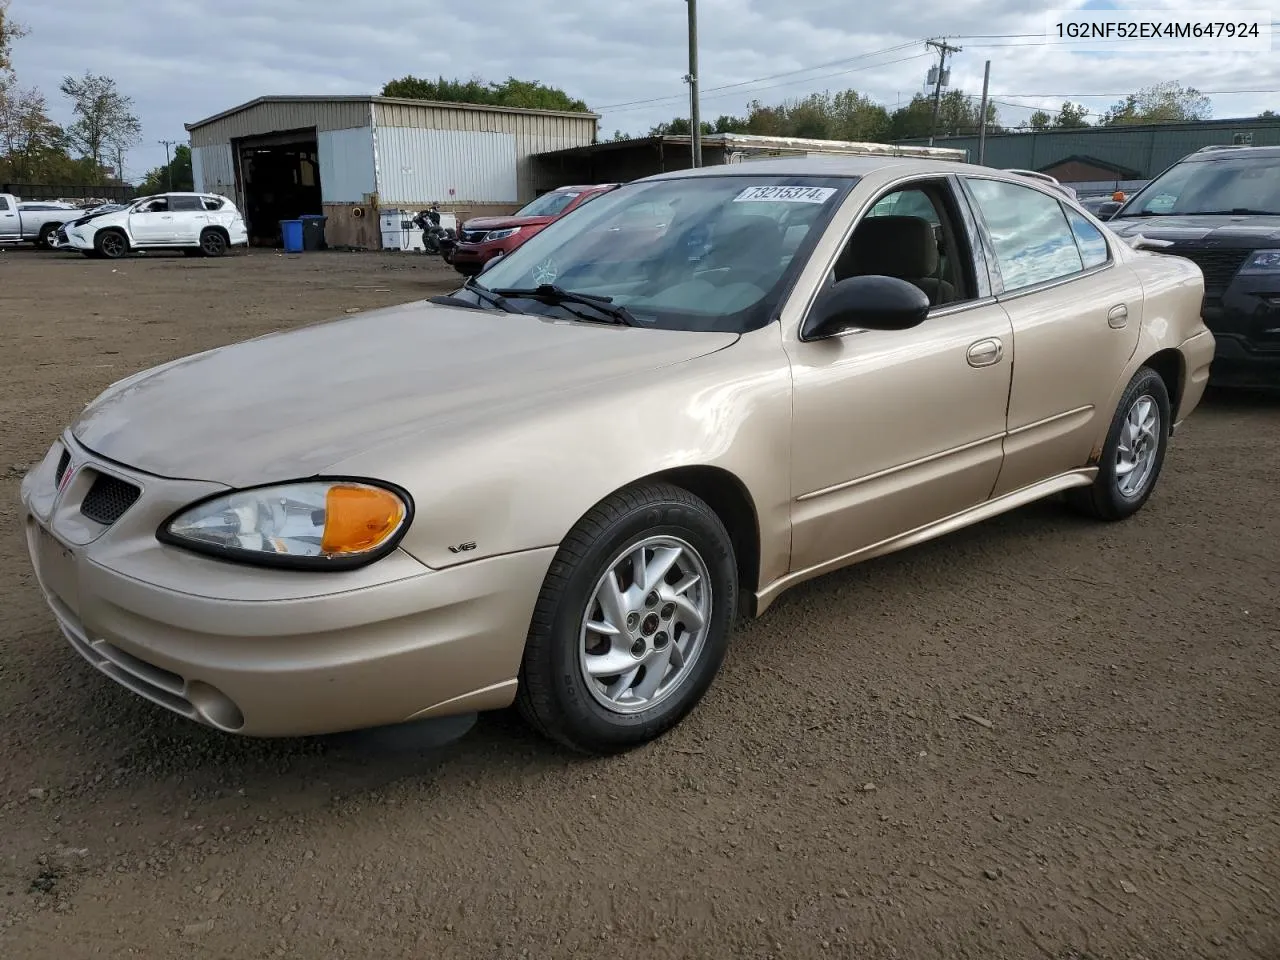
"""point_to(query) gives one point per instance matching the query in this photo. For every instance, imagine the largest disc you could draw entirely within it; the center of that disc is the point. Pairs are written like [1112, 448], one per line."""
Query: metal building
[346, 157]
[617, 161]
[1110, 155]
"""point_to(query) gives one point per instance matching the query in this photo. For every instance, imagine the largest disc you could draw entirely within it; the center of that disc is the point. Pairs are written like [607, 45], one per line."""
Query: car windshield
[694, 253]
[548, 205]
[1236, 185]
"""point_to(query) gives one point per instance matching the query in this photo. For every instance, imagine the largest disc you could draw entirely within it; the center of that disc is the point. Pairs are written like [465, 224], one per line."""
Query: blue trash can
[291, 231]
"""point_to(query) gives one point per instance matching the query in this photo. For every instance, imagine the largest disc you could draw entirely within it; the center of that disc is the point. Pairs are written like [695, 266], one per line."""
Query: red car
[483, 238]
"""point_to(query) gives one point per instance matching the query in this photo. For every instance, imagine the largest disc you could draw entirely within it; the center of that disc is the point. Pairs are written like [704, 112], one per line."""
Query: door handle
[986, 352]
[1118, 316]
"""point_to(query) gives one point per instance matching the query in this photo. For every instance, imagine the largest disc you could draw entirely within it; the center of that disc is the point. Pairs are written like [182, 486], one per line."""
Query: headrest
[902, 247]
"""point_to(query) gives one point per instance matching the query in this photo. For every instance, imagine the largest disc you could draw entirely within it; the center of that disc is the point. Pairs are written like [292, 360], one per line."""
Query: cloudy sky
[182, 60]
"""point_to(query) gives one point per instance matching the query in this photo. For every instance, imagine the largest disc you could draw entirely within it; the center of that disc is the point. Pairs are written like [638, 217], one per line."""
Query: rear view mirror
[866, 303]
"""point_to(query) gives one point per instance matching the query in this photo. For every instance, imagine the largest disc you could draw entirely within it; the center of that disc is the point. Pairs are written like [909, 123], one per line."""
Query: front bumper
[268, 652]
[1238, 363]
[1246, 323]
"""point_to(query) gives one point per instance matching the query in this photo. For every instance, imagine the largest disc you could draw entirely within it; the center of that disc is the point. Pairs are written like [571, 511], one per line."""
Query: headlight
[501, 234]
[1263, 261]
[313, 524]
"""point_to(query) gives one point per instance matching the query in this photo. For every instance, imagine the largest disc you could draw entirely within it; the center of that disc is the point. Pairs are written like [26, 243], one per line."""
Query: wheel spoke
[616, 662]
[623, 683]
[655, 671]
[688, 614]
[664, 558]
[613, 604]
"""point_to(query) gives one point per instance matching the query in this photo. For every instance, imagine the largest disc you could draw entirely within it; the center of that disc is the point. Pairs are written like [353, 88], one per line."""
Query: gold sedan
[560, 485]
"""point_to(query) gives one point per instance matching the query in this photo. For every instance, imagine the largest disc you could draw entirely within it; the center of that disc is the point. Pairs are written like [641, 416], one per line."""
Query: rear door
[1076, 314]
[189, 218]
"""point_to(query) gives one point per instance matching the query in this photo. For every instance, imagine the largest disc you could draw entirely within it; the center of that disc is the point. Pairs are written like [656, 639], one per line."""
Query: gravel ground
[1117, 795]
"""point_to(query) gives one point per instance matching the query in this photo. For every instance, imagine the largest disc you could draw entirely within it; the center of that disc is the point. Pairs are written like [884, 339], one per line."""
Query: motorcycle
[436, 240]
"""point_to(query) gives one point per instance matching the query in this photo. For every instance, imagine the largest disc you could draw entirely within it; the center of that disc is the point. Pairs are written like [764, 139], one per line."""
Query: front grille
[108, 499]
[1218, 266]
[473, 236]
[64, 461]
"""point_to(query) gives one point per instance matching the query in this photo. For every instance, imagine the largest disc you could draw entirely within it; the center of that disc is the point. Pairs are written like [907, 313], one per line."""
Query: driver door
[897, 430]
[152, 223]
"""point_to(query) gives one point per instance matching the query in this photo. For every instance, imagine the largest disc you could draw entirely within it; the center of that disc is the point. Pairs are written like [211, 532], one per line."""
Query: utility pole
[943, 49]
[982, 115]
[168, 170]
[695, 109]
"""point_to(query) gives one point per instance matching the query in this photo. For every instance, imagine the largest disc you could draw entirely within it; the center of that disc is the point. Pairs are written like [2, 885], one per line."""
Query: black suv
[1220, 208]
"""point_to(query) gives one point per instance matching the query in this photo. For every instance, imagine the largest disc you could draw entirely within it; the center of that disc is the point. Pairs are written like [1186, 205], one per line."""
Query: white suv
[196, 223]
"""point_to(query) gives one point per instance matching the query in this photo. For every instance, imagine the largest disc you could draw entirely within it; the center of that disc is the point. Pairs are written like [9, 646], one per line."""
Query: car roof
[1233, 153]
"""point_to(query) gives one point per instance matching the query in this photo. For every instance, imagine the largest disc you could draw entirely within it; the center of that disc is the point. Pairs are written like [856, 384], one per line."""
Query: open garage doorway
[280, 176]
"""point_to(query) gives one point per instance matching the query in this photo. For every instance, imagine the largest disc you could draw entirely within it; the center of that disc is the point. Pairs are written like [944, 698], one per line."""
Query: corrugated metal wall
[533, 133]
[274, 116]
[1144, 150]
[346, 165]
[449, 166]
[214, 170]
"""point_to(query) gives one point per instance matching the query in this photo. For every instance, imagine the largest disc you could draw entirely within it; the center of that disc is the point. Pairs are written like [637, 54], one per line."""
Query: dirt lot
[826, 800]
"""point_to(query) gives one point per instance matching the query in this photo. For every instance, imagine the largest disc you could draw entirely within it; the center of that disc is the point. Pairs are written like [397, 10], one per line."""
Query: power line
[773, 76]
[774, 86]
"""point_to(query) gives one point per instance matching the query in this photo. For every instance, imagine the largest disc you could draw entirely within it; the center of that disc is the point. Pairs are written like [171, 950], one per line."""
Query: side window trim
[1067, 212]
[999, 290]
[928, 185]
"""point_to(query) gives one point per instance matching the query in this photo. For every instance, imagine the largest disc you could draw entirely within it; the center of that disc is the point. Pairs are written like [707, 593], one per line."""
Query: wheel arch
[1172, 369]
[729, 497]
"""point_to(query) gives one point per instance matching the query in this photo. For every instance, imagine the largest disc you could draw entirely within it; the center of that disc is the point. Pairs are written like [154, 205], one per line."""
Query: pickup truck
[33, 221]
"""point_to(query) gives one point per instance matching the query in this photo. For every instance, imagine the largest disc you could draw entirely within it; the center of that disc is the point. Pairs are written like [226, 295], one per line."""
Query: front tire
[1134, 452]
[632, 623]
[111, 244]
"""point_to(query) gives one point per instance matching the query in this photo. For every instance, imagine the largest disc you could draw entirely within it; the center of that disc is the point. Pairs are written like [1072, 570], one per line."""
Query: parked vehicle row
[33, 221]
[563, 483]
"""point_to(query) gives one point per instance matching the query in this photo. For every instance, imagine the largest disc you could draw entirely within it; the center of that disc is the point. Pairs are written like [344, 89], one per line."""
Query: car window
[720, 254]
[185, 204]
[1241, 185]
[910, 234]
[4, 203]
[1089, 239]
[158, 205]
[548, 205]
[1033, 241]
[212, 203]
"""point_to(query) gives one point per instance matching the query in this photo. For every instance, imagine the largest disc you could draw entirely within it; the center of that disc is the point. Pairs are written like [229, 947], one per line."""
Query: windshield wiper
[488, 296]
[550, 293]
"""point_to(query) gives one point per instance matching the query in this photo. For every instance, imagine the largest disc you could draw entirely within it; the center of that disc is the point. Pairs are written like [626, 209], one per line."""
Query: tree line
[849, 115]
[88, 152]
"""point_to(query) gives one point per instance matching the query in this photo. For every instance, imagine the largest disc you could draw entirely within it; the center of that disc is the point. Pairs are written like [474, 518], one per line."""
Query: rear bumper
[1238, 363]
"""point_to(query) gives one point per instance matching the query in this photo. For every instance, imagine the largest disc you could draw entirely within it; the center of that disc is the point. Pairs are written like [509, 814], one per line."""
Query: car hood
[504, 223]
[291, 404]
[1227, 228]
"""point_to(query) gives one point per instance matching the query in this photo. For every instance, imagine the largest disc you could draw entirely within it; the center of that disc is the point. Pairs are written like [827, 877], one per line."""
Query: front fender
[515, 480]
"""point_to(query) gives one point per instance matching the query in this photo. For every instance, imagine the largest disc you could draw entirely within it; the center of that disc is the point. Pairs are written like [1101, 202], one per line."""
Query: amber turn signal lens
[358, 519]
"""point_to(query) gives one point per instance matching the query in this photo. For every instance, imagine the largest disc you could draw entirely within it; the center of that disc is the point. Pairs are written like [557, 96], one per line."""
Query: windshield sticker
[545, 272]
[785, 195]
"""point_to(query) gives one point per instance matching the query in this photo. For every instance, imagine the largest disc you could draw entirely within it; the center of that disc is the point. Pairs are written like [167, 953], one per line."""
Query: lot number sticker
[785, 194]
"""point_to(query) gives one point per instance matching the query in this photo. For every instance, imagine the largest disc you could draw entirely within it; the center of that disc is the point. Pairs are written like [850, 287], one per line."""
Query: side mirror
[866, 303]
[1108, 210]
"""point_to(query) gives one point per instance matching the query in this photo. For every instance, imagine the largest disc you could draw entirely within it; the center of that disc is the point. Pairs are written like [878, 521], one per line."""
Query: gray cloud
[182, 60]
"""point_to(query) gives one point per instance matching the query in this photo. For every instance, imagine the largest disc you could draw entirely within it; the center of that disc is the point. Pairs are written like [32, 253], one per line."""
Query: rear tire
[46, 235]
[1133, 454]
[213, 242]
[111, 244]
[667, 636]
